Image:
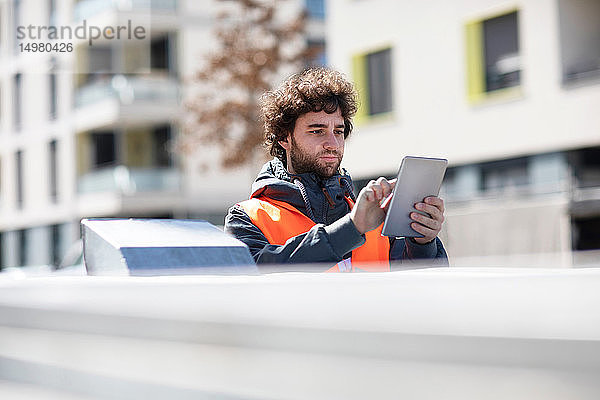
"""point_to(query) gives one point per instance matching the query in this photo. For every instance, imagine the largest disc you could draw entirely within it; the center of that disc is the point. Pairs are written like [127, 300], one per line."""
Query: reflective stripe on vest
[280, 221]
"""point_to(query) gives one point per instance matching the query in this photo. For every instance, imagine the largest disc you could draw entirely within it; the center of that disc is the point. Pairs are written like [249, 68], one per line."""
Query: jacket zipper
[328, 197]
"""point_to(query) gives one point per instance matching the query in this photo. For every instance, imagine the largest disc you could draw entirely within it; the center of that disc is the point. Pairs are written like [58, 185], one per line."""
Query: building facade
[508, 91]
[87, 132]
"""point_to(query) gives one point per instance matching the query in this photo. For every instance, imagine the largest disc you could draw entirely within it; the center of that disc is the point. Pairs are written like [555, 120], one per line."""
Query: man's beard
[303, 162]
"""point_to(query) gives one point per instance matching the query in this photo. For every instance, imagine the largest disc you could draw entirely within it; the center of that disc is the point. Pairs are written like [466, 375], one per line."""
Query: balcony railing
[129, 181]
[128, 90]
[576, 190]
[89, 8]
[525, 190]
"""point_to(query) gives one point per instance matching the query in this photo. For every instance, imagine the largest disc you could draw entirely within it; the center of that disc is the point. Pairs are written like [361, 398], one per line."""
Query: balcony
[129, 181]
[128, 90]
[89, 8]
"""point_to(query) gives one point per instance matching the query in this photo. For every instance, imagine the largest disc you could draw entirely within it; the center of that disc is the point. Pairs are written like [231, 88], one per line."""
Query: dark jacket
[332, 238]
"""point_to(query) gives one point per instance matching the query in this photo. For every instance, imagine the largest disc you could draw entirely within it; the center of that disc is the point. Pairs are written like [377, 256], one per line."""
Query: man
[302, 208]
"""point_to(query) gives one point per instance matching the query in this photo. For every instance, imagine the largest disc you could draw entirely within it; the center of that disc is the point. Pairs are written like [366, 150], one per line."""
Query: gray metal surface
[161, 247]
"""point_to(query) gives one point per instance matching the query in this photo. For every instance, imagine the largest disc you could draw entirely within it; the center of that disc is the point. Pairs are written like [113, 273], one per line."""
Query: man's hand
[368, 213]
[430, 227]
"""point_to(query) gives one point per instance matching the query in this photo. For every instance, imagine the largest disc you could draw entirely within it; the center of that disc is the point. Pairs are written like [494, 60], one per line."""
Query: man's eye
[338, 132]
[316, 132]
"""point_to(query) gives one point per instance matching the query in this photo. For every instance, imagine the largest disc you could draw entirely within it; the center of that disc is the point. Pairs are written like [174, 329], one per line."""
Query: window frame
[475, 60]
[360, 74]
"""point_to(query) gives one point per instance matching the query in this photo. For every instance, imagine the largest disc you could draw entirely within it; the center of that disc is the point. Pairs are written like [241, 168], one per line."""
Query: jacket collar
[274, 181]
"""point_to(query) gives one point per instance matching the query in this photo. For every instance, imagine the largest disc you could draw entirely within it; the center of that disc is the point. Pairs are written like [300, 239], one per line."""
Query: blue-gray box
[161, 247]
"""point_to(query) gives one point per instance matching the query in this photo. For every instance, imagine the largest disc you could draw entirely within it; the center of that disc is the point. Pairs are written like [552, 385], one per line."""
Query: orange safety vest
[280, 221]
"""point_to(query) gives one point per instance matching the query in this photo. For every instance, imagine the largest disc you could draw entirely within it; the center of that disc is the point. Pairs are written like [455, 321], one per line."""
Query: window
[316, 9]
[316, 54]
[53, 95]
[462, 182]
[379, 74]
[448, 187]
[51, 12]
[162, 138]
[159, 53]
[22, 247]
[162, 51]
[16, 22]
[19, 178]
[53, 170]
[104, 151]
[586, 233]
[373, 76]
[501, 46]
[585, 164]
[55, 244]
[100, 60]
[507, 174]
[493, 58]
[99, 66]
[579, 40]
[17, 103]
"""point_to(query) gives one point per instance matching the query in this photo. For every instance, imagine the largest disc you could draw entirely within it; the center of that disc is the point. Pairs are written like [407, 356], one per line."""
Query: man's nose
[331, 140]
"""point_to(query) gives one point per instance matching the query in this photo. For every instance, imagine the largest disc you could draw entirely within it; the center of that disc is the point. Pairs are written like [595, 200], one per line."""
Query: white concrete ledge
[437, 333]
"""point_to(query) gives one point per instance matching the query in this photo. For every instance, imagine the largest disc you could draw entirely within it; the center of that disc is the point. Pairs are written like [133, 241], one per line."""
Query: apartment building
[508, 91]
[88, 132]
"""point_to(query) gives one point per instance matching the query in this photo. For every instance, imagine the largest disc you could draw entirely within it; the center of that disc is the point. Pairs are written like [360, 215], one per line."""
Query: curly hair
[315, 89]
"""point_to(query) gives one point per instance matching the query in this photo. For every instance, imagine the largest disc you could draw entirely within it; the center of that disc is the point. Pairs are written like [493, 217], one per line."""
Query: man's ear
[285, 143]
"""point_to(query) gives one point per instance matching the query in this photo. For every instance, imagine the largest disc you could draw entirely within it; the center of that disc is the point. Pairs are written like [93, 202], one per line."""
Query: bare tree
[254, 43]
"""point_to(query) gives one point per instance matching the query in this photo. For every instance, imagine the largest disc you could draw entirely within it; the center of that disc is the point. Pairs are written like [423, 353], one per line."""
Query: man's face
[316, 144]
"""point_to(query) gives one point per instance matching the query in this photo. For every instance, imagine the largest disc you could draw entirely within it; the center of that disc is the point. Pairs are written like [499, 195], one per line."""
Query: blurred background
[508, 92]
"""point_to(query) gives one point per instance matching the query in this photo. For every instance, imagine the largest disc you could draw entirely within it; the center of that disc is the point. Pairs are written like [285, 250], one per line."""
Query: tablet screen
[419, 177]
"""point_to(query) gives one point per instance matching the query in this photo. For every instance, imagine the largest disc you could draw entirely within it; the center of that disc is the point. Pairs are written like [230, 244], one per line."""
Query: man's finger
[433, 211]
[435, 201]
[369, 194]
[378, 190]
[374, 186]
[423, 230]
[385, 186]
[431, 223]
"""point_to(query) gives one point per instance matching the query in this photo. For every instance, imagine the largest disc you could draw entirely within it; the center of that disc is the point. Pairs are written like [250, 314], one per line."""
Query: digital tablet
[419, 177]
